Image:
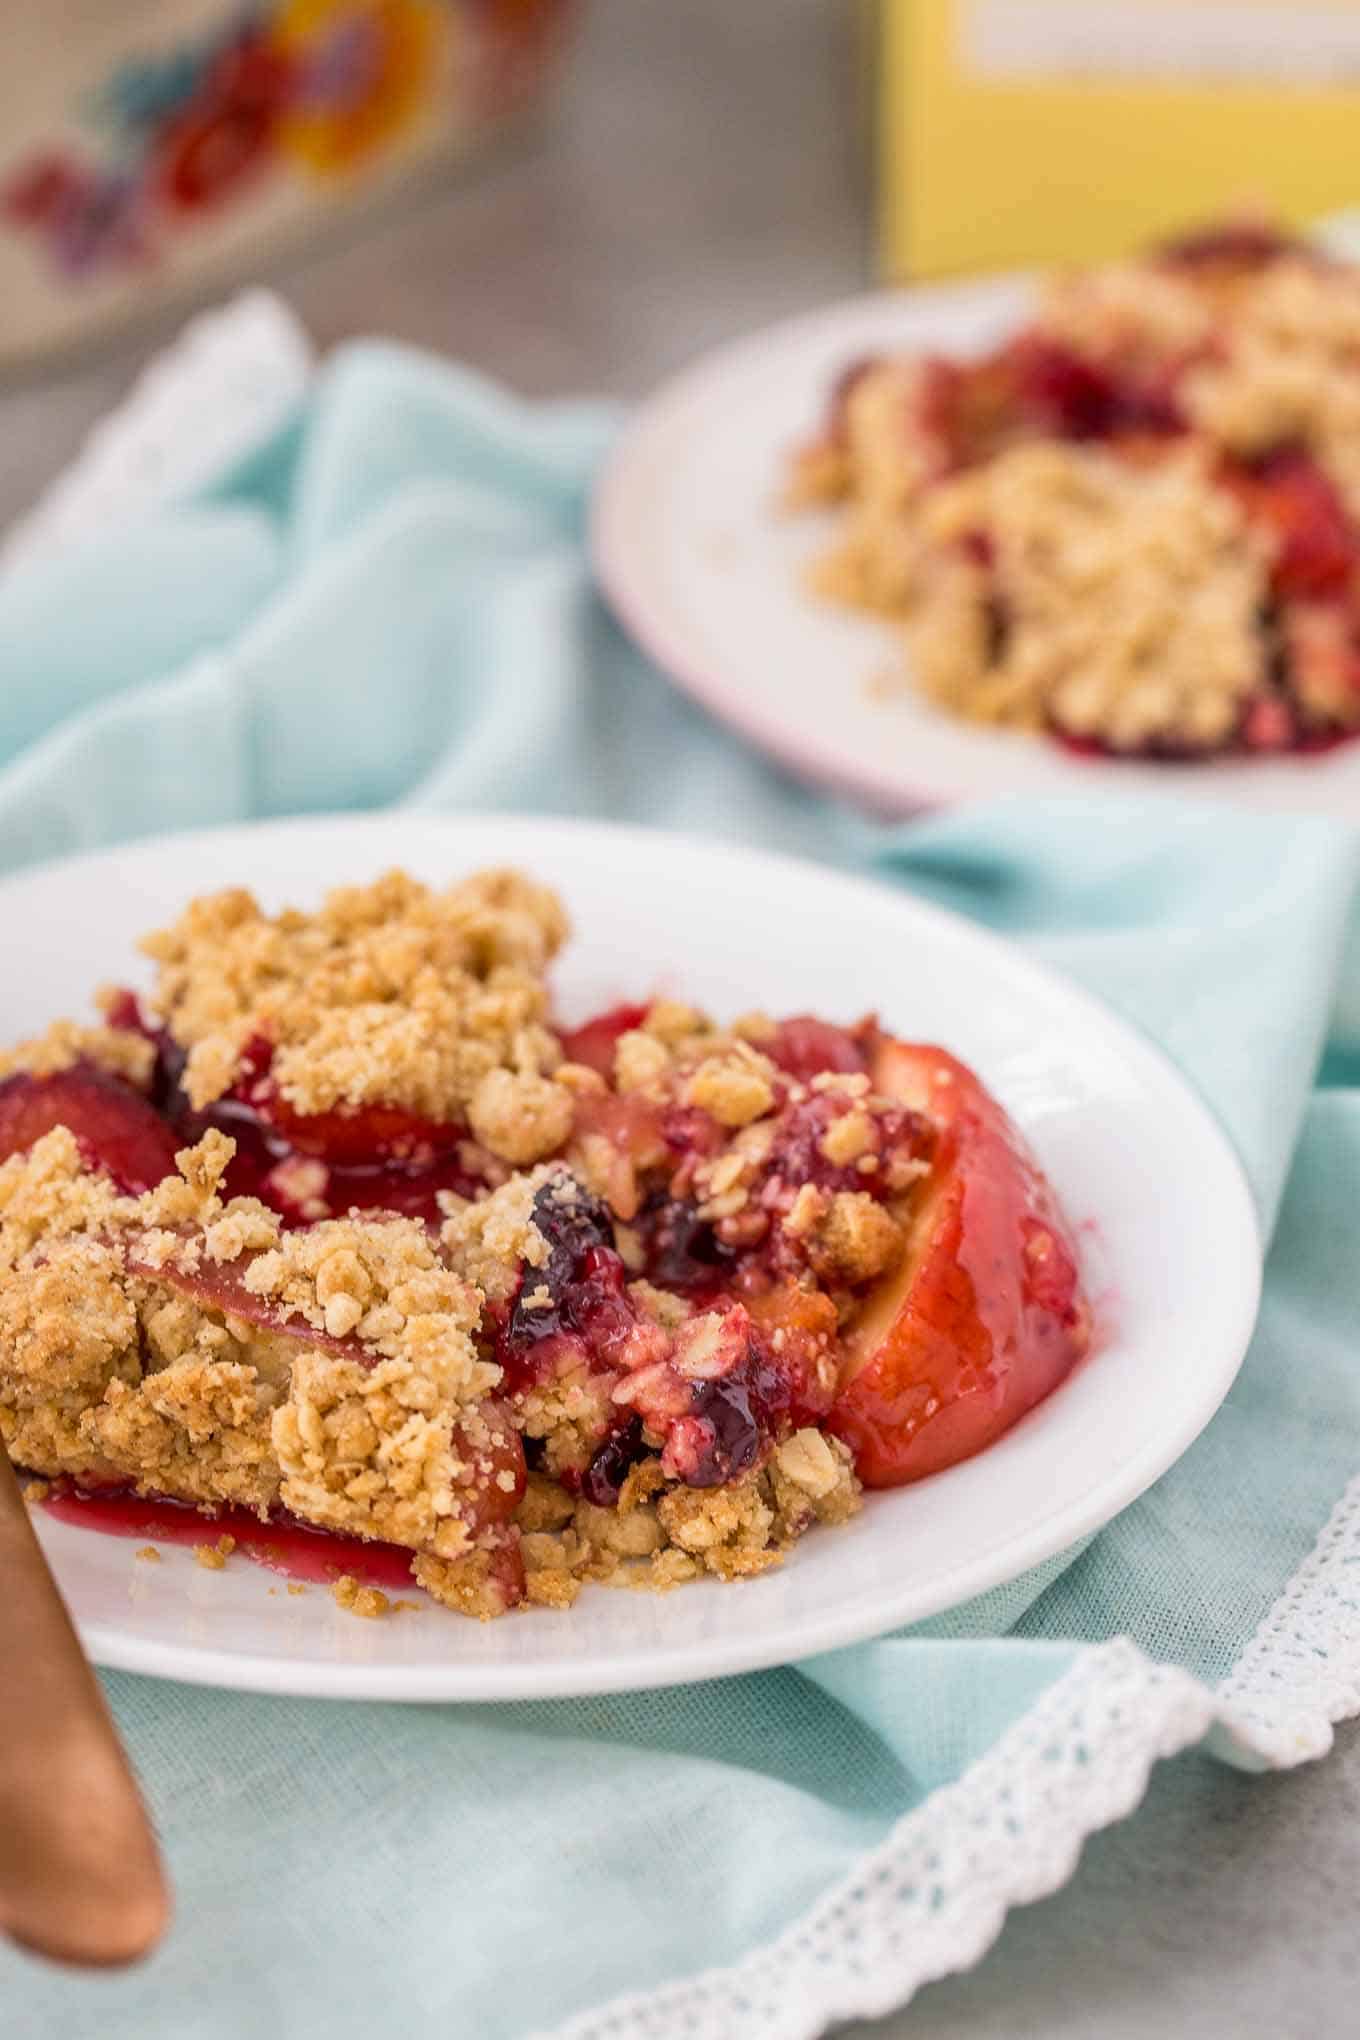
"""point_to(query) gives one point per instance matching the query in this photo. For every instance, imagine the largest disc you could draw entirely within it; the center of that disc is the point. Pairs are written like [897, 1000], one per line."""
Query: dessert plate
[707, 573]
[1142, 1169]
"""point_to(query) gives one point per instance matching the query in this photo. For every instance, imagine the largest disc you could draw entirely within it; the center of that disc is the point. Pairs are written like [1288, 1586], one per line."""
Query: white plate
[1170, 1249]
[707, 574]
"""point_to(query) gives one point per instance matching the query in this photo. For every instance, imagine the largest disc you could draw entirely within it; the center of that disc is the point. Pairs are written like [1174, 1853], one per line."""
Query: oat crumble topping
[65, 1044]
[391, 994]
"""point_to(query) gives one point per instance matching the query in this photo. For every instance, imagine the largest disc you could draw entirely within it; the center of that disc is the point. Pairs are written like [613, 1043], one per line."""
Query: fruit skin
[116, 1128]
[984, 1316]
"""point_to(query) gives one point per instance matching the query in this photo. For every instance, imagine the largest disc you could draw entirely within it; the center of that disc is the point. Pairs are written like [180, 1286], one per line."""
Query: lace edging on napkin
[930, 1900]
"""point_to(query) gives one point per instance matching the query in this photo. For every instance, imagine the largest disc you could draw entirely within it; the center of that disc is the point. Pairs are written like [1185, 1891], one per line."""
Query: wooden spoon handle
[80, 1874]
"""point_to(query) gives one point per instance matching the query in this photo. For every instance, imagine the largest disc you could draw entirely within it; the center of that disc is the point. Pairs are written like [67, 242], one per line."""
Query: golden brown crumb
[735, 1088]
[812, 1480]
[369, 1602]
[545, 1505]
[639, 1060]
[669, 1569]
[551, 1589]
[37, 1490]
[726, 1529]
[1285, 373]
[806, 1212]
[520, 1115]
[856, 1239]
[209, 1557]
[643, 1483]
[295, 1589]
[470, 1585]
[115, 1050]
[1133, 595]
[488, 1242]
[636, 1534]
[148, 1555]
[143, 1380]
[848, 1138]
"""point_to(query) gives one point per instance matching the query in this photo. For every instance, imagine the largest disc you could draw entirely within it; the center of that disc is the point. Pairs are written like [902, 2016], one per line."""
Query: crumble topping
[115, 1050]
[489, 1241]
[392, 994]
[662, 1534]
[1131, 597]
[736, 1088]
[185, 1361]
[378, 1452]
[1288, 372]
[1133, 312]
[369, 1602]
[520, 1115]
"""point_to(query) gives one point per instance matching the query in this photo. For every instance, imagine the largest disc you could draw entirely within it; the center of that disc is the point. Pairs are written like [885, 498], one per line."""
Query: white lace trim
[931, 1899]
[219, 388]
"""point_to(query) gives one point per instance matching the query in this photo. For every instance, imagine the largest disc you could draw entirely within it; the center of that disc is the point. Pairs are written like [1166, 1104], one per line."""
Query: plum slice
[116, 1129]
[984, 1316]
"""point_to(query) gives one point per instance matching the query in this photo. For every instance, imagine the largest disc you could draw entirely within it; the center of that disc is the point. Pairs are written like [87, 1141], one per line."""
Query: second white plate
[708, 575]
[1169, 1244]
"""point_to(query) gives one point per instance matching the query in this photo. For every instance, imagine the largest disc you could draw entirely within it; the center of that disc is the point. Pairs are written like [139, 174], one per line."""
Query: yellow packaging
[1035, 131]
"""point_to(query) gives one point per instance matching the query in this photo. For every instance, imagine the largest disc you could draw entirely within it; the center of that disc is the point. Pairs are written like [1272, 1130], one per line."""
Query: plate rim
[625, 572]
[452, 1682]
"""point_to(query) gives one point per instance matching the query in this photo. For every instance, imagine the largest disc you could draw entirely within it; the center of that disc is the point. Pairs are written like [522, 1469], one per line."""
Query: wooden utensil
[80, 1874]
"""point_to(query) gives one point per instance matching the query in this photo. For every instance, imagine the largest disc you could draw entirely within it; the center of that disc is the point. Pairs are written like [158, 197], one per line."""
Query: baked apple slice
[984, 1315]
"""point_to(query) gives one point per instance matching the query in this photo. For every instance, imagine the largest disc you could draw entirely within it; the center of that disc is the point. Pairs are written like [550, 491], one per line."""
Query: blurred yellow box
[1034, 131]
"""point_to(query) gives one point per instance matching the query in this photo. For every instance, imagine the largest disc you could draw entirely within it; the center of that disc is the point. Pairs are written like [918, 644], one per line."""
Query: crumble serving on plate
[340, 1228]
[1136, 524]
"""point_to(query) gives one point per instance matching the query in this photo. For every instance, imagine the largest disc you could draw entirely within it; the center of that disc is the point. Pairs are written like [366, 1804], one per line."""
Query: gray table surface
[704, 174]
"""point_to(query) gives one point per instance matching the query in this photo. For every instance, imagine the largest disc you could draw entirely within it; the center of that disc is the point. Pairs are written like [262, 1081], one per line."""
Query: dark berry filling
[575, 1309]
[603, 1479]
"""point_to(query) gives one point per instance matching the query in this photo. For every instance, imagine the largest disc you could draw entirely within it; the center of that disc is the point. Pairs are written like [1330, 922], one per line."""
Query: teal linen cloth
[389, 605]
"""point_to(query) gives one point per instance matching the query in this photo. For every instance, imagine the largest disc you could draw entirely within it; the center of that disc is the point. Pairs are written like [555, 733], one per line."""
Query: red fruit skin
[1317, 550]
[221, 1286]
[363, 1136]
[116, 1128]
[805, 1047]
[593, 1044]
[984, 1316]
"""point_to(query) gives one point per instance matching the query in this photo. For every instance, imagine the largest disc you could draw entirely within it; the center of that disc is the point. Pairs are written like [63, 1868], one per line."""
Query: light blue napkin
[389, 604]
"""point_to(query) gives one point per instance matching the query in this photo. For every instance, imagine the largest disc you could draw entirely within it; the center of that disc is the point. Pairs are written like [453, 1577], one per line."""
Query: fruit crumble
[339, 1228]
[1134, 526]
